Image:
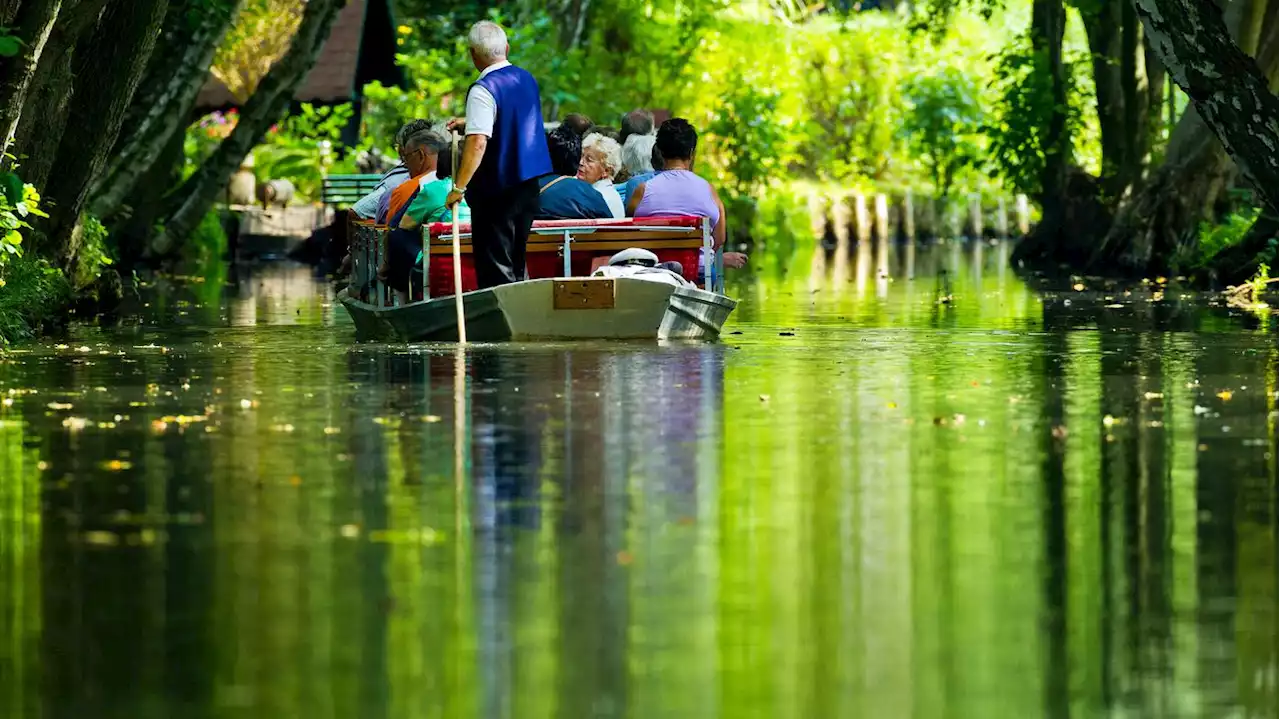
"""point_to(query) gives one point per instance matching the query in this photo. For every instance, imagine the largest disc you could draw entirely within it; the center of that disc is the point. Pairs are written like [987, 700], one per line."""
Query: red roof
[333, 77]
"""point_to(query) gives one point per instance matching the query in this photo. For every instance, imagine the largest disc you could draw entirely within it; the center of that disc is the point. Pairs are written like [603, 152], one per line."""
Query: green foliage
[203, 136]
[94, 253]
[34, 294]
[10, 45]
[18, 202]
[1024, 103]
[942, 124]
[1258, 283]
[747, 135]
[850, 82]
[302, 147]
[1216, 237]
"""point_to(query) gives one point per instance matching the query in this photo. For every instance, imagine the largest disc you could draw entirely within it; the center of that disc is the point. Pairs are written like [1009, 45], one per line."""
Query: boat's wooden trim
[589, 245]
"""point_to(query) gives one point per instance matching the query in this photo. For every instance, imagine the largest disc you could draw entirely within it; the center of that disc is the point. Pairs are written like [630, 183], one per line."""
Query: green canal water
[905, 485]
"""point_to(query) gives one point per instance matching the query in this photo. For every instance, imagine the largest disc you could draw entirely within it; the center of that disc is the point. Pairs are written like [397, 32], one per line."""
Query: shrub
[942, 123]
[35, 294]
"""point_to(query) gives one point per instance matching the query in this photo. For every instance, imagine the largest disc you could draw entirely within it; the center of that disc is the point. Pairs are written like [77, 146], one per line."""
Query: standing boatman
[505, 153]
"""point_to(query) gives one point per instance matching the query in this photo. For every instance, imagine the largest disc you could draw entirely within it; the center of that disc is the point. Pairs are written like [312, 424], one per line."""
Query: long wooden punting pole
[457, 251]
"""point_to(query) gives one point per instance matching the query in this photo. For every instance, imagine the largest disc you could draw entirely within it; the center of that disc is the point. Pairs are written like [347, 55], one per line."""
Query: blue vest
[517, 151]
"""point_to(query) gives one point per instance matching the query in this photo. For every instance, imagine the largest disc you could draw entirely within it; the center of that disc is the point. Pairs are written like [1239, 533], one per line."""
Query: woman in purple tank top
[675, 190]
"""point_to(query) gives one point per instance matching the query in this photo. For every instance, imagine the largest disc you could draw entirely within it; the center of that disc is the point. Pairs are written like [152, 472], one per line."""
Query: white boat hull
[570, 308]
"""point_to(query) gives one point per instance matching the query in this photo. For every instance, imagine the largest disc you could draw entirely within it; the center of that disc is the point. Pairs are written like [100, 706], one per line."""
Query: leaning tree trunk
[48, 94]
[1226, 86]
[114, 56]
[34, 23]
[1159, 224]
[272, 98]
[164, 103]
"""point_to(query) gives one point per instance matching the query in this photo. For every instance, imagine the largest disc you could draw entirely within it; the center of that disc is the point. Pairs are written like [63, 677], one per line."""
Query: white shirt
[482, 108]
[611, 198]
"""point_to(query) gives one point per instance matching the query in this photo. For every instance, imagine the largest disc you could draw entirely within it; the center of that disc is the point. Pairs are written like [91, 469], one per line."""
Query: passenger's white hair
[488, 40]
[607, 145]
[637, 154]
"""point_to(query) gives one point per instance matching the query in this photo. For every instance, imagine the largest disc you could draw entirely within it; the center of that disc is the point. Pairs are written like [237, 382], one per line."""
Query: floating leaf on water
[1108, 420]
[282, 427]
[332, 430]
[116, 465]
[246, 404]
[1153, 395]
[100, 538]
[350, 531]
[892, 405]
[1078, 287]
[431, 418]
[75, 424]
[625, 558]
[764, 398]
[1224, 395]
[1114, 307]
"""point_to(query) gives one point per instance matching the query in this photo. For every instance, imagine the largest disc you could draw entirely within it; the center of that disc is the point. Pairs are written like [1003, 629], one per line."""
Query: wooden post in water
[882, 236]
[862, 225]
[861, 219]
[975, 216]
[840, 222]
[1002, 219]
[909, 217]
[1023, 214]
[818, 216]
[818, 227]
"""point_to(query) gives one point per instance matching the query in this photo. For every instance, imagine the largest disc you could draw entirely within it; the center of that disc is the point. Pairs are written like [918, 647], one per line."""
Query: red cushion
[445, 229]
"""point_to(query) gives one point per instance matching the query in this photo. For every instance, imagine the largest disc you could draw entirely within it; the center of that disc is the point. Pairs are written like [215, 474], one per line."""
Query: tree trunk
[1048, 21]
[1129, 93]
[164, 104]
[1226, 86]
[271, 100]
[114, 56]
[44, 107]
[1160, 224]
[44, 115]
[34, 23]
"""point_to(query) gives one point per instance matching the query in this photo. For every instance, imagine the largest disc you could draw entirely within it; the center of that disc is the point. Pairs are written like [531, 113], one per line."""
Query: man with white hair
[505, 153]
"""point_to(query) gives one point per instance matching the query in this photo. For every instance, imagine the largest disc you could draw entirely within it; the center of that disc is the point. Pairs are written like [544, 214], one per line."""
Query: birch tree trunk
[273, 97]
[165, 101]
[114, 56]
[1226, 86]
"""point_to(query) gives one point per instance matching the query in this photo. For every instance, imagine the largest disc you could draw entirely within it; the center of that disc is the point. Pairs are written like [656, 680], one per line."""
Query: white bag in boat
[640, 264]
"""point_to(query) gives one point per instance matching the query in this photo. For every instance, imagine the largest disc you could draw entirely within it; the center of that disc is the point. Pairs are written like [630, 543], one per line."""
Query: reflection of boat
[554, 303]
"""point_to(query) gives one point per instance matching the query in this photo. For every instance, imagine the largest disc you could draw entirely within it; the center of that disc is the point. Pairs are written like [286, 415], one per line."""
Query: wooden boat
[560, 300]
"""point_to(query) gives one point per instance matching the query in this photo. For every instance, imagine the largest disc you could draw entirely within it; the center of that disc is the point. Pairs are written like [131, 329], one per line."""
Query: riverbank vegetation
[1135, 170]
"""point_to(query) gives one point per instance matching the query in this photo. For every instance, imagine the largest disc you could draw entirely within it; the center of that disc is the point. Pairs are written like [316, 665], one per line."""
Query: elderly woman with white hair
[601, 160]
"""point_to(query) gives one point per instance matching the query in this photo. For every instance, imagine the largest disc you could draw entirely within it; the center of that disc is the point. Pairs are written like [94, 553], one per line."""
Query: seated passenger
[419, 154]
[561, 195]
[367, 207]
[636, 122]
[675, 190]
[639, 158]
[609, 132]
[429, 206]
[601, 158]
[577, 122]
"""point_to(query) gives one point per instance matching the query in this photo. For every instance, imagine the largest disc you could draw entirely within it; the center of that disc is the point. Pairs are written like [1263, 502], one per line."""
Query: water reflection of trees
[1000, 504]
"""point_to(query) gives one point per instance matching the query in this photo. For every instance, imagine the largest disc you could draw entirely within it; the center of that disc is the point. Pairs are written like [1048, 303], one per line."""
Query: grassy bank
[34, 297]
